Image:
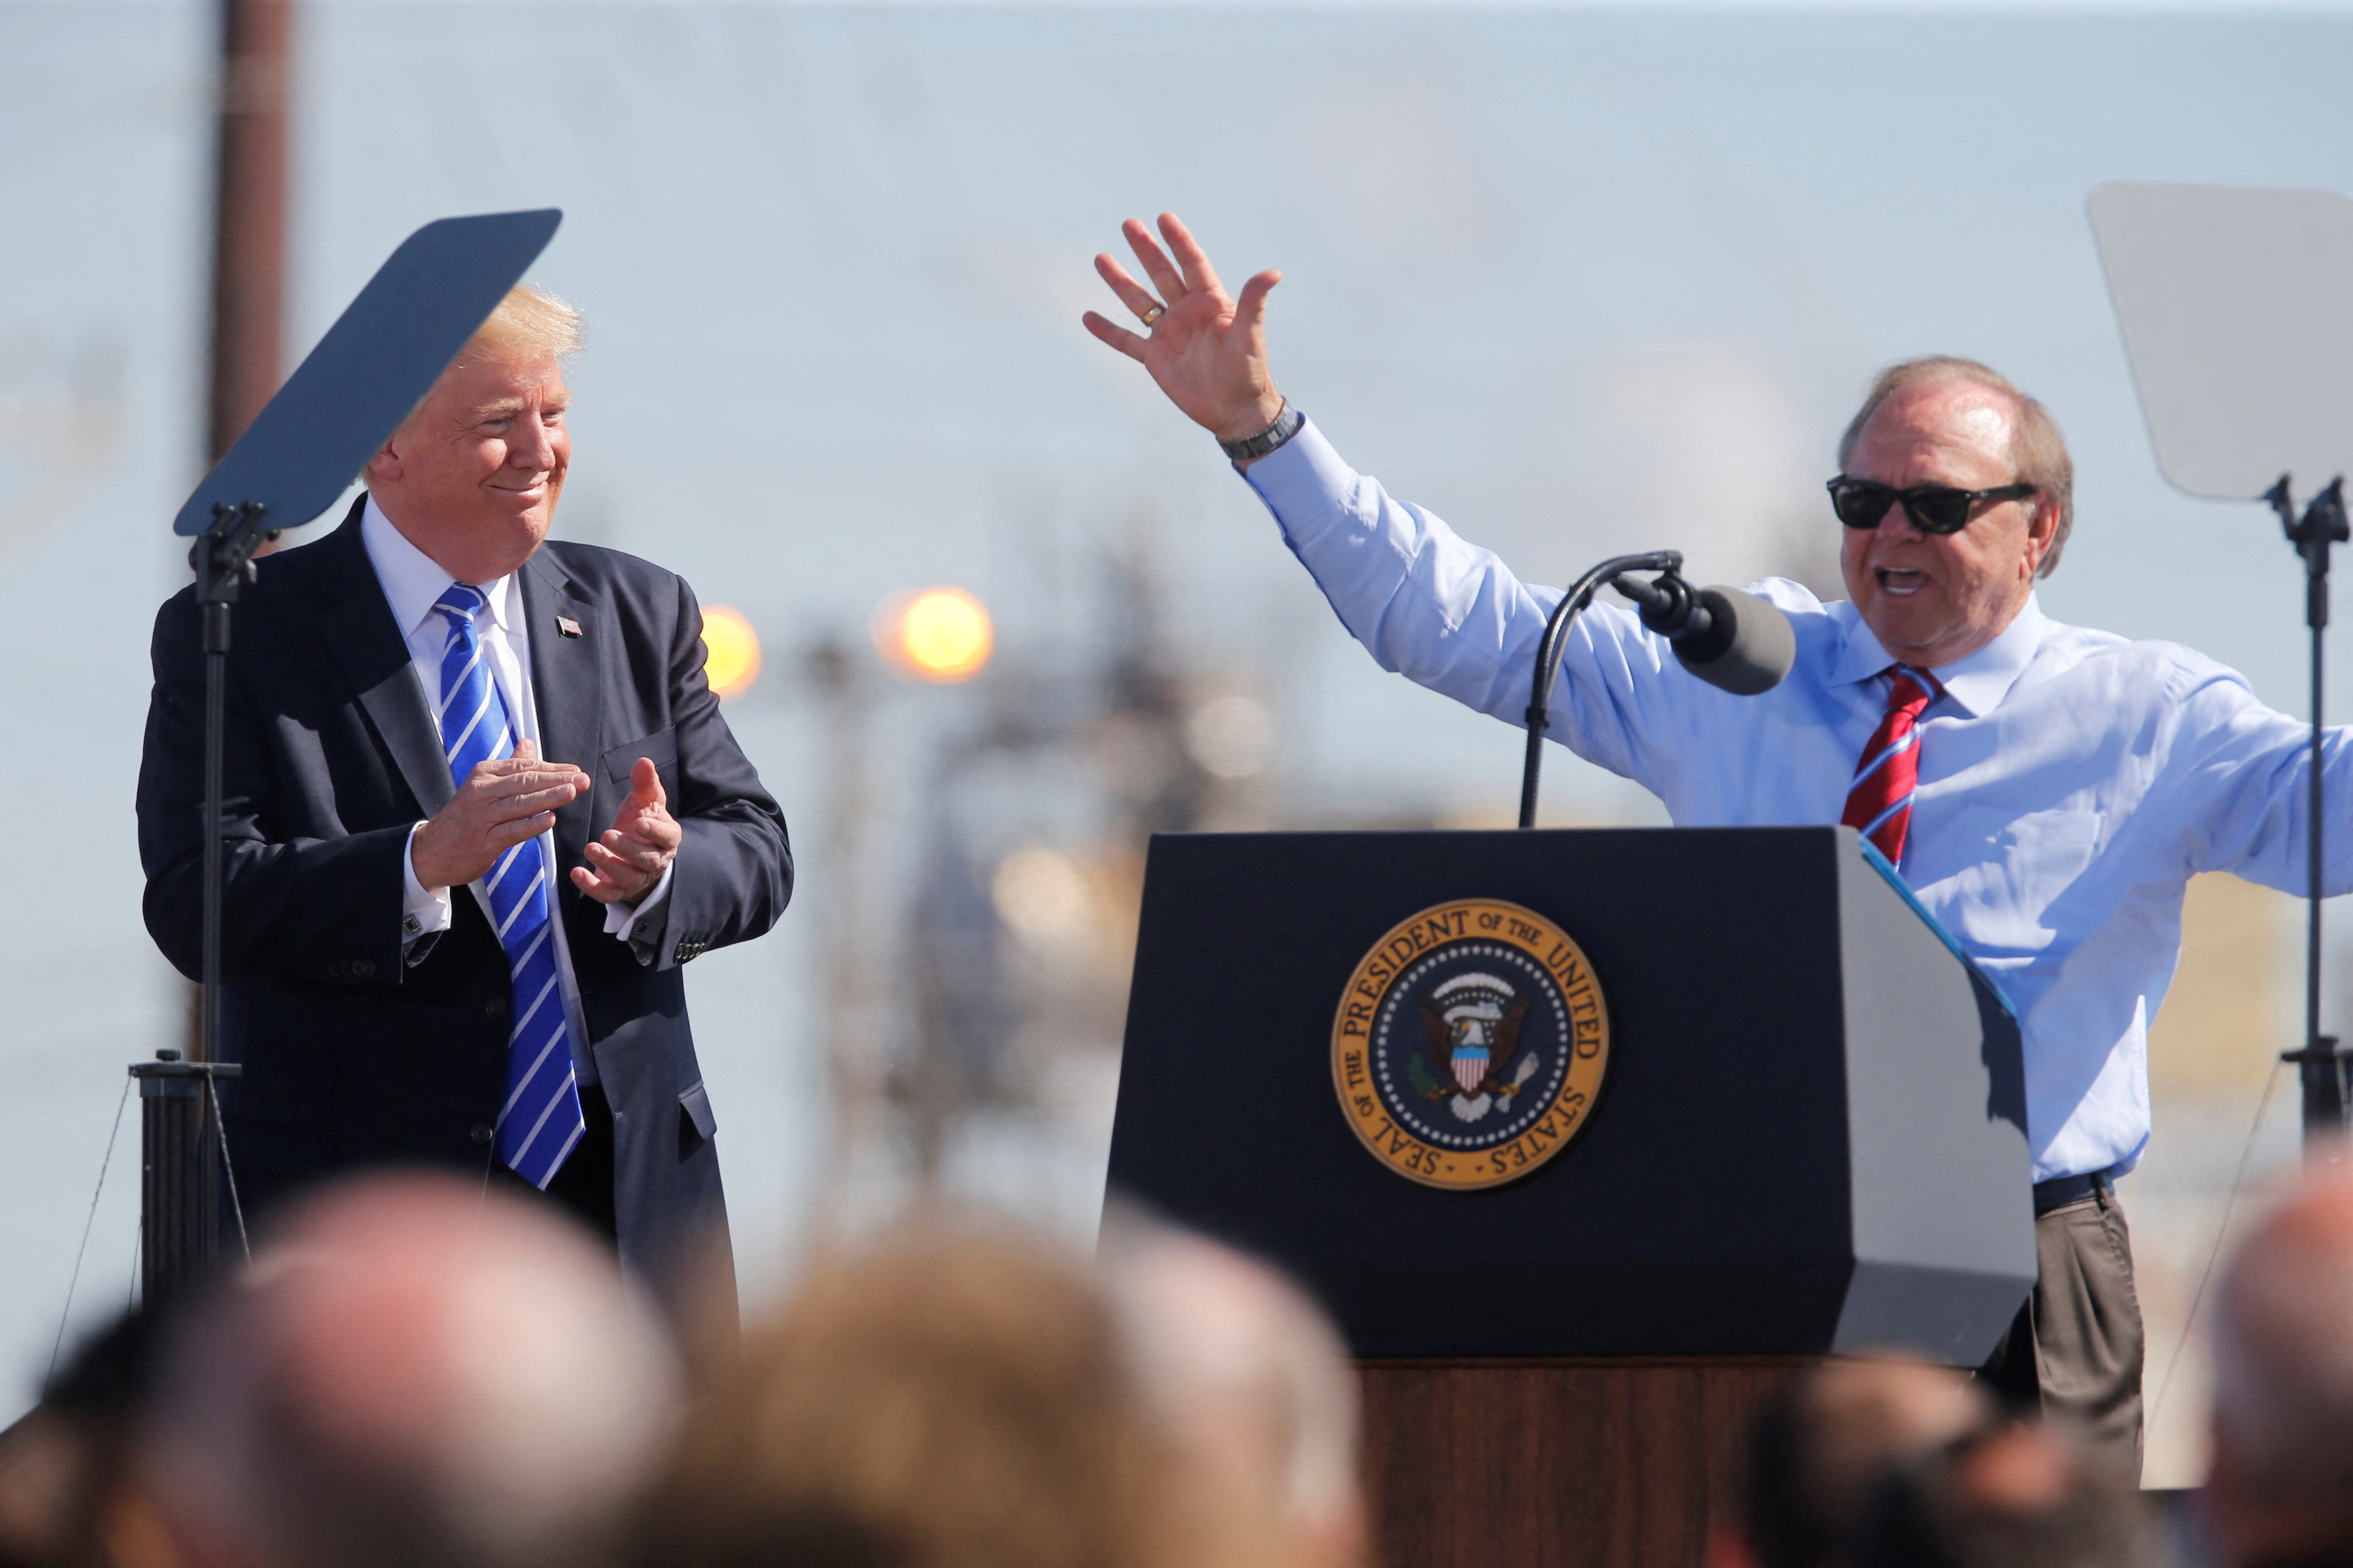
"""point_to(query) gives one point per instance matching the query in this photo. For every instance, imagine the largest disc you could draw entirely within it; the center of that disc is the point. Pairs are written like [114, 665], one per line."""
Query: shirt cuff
[621, 920]
[1304, 481]
[422, 910]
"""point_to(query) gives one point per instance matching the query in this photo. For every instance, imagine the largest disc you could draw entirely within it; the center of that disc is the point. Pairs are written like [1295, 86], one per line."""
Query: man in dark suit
[481, 807]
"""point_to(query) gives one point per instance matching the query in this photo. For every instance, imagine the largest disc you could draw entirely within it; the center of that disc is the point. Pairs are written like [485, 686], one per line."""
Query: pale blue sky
[1578, 280]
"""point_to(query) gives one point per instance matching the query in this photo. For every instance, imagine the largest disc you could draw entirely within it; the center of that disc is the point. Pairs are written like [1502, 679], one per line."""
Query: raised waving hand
[1205, 349]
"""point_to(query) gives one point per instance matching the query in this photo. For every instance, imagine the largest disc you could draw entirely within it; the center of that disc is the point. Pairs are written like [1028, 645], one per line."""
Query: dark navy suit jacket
[356, 1055]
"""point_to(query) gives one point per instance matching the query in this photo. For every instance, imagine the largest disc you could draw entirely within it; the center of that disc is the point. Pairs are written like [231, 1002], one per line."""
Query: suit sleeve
[296, 909]
[734, 872]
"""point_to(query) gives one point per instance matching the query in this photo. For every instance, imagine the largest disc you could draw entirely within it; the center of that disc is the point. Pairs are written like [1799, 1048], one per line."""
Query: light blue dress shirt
[2070, 781]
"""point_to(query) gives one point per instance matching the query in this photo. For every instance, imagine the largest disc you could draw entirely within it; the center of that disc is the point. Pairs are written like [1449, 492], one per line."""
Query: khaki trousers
[2075, 1351]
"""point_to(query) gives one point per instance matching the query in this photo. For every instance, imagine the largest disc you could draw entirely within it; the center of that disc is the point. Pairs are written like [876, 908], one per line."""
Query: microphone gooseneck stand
[1580, 593]
[2322, 1062]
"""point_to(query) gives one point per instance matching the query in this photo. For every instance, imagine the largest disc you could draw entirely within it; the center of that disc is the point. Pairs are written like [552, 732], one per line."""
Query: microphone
[1732, 640]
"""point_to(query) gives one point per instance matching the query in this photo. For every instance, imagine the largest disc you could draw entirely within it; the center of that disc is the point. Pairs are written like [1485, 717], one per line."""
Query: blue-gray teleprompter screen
[375, 363]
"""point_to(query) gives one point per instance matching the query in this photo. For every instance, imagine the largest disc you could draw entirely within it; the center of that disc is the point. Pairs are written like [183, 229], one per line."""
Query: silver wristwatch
[1286, 425]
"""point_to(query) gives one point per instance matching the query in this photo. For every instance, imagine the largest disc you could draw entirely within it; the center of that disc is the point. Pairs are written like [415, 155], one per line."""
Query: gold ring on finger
[1154, 314]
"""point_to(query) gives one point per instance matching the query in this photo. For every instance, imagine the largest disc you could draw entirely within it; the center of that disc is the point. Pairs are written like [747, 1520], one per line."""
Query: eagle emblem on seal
[1473, 1025]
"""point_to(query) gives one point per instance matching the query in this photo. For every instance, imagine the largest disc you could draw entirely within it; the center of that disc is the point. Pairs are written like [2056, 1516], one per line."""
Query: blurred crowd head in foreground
[413, 1372]
[2279, 1489]
[1891, 1463]
[962, 1396]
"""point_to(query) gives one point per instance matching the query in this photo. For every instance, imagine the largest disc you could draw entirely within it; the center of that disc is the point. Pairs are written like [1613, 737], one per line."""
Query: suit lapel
[567, 682]
[356, 623]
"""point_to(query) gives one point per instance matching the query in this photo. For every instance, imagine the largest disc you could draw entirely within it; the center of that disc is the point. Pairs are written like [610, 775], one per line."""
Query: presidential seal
[1469, 1045]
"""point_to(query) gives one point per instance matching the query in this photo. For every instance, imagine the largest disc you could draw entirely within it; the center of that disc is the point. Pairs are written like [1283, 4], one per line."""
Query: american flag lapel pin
[565, 625]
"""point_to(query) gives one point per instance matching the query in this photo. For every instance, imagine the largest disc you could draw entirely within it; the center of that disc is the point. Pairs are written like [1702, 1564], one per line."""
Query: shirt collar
[1977, 684]
[413, 580]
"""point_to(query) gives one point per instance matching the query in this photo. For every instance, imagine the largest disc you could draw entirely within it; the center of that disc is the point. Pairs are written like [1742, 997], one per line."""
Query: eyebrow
[508, 407]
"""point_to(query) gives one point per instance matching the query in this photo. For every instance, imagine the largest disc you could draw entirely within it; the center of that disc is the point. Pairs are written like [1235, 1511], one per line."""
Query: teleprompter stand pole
[2322, 1062]
[223, 557]
[182, 1147]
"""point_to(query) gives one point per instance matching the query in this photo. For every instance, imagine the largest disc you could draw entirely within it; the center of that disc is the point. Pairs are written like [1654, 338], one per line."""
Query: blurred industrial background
[1581, 280]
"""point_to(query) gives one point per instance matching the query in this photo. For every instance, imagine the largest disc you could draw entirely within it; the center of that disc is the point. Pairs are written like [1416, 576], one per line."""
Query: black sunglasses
[1933, 509]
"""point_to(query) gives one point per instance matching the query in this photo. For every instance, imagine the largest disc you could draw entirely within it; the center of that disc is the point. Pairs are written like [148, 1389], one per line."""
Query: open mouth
[1901, 581]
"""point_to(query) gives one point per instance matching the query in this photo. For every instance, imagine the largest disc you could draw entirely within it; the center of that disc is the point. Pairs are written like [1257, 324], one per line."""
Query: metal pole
[2321, 1062]
[856, 1008]
[223, 557]
[2323, 1070]
[216, 632]
[249, 216]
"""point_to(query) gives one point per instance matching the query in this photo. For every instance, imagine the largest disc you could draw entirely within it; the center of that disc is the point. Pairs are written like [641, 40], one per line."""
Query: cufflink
[411, 927]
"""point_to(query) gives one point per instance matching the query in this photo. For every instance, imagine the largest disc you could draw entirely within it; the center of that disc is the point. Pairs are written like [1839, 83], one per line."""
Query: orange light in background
[940, 635]
[730, 650]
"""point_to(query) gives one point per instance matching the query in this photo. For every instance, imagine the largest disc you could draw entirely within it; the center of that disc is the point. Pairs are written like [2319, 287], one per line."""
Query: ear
[2042, 528]
[386, 464]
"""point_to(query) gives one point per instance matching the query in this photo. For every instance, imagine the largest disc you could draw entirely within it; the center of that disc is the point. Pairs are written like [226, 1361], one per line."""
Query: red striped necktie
[1879, 802]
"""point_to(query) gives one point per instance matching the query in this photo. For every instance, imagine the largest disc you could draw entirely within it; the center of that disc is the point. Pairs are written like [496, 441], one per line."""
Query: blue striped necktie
[539, 1120]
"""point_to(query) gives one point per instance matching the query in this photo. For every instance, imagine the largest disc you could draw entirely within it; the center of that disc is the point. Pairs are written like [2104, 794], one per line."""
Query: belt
[2061, 1191]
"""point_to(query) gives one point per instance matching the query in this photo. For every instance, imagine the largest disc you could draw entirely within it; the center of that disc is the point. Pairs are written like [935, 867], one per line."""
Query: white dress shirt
[412, 583]
[2070, 781]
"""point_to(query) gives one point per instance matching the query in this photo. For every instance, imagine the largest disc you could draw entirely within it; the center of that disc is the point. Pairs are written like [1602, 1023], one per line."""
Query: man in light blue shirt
[2064, 787]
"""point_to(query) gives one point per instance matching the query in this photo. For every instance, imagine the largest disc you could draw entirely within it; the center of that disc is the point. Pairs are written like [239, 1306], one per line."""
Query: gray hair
[1227, 1346]
[2037, 451]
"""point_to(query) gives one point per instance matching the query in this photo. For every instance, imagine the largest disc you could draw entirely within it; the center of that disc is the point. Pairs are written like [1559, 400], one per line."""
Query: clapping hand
[501, 802]
[1205, 349]
[626, 863]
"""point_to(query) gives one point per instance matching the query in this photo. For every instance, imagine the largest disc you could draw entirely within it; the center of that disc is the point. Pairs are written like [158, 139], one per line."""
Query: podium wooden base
[1557, 1464]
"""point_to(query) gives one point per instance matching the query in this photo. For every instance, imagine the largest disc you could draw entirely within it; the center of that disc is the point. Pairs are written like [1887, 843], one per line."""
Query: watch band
[1286, 425]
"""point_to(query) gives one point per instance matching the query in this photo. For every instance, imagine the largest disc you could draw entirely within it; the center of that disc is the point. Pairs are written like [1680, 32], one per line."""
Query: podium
[1807, 1137]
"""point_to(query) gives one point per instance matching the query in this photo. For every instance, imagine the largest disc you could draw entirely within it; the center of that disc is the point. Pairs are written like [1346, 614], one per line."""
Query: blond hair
[945, 1396]
[528, 322]
[2038, 453]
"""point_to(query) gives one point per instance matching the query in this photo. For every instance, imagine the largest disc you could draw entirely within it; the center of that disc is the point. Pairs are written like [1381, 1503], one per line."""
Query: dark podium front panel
[1811, 1137]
